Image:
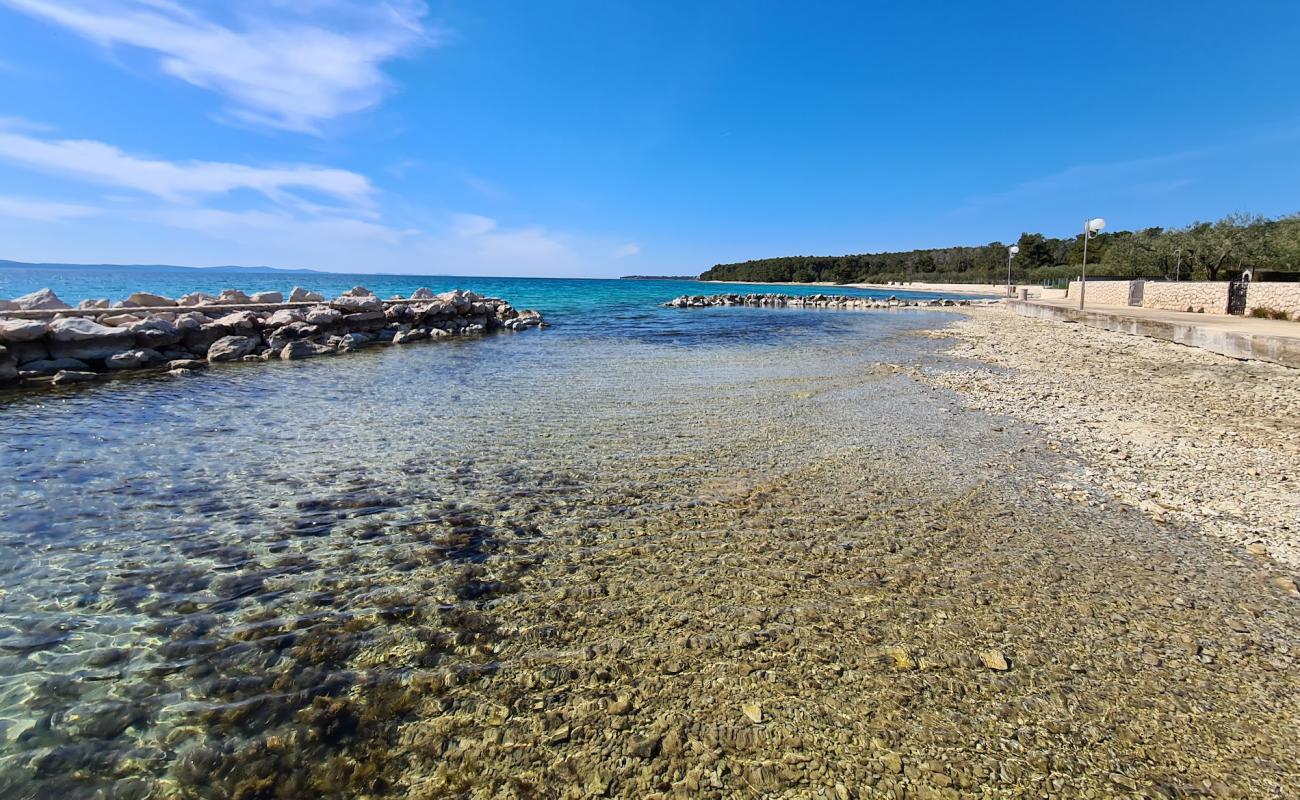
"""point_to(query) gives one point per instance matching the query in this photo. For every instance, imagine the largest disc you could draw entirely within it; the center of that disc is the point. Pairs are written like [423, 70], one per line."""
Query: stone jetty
[804, 301]
[44, 341]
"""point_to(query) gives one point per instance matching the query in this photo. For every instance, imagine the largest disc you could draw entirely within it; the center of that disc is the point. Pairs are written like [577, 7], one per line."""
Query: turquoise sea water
[632, 303]
[195, 569]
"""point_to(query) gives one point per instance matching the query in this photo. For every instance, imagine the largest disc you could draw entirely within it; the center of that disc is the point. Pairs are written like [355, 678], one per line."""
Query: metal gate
[1237, 295]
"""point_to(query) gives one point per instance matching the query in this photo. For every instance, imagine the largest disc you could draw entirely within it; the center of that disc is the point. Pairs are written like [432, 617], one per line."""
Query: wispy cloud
[32, 210]
[179, 181]
[1119, 175]
[289, 65]
[276, 226]
[625, 250]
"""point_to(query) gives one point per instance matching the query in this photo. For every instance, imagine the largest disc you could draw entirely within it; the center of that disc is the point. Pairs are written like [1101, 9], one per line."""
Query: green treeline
[1200, 251]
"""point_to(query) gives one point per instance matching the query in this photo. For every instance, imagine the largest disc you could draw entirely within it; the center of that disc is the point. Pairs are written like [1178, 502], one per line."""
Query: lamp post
[1091, 227]
[1011, 253]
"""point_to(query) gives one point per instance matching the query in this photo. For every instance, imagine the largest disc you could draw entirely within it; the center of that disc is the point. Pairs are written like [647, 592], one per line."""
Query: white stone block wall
[1276, 296]
[1210, 297]
[1103, 293]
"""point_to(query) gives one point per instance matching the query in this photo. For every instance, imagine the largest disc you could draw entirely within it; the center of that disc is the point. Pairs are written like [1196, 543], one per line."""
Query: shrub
[1263, 312]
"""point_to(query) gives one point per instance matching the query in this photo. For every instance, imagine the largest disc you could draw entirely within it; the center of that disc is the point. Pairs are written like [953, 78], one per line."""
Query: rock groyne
[805, 301]
[43, 341]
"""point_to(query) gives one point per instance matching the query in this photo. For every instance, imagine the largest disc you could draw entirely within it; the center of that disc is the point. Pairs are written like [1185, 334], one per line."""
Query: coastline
[938, 288]
[1187, 437]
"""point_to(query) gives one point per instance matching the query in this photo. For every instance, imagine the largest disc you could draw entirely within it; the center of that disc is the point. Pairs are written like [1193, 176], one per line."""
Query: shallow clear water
[192, 563]
[722, 552]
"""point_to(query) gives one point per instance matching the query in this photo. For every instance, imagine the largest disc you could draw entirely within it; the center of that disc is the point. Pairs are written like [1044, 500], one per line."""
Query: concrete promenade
[1274, 341]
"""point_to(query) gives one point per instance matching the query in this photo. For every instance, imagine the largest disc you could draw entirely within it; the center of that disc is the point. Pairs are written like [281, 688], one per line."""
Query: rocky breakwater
[805, 301]
[43, 341]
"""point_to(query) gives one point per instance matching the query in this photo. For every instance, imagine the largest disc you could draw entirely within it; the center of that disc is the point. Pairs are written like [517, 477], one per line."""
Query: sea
[243, 582]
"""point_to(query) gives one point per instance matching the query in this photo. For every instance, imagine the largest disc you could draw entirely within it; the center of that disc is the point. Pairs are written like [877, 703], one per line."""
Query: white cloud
[42, 210]
[289, 65]
[103, 164]
[625, 250]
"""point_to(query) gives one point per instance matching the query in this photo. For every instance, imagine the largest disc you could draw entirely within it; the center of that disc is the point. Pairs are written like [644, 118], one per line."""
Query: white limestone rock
[22, 330]
[41, 300]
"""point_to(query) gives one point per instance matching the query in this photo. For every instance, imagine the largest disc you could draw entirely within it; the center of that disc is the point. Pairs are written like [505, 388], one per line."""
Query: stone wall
[1203, 296]
[1275, 296]
[1105, 293]
[44, 342]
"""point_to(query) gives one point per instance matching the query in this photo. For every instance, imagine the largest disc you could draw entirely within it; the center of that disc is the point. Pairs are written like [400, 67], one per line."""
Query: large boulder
[198, 340]
[88, 304]
[279, 337]
[358, 291]
[77, 337]
[267, 297]
[284, 316]
[232, 348]
[41, 300]
[303, 348]
[196, 299]
[233, 297]
[364, 321]
[147, 300]
[349, 303]
[239, 320]
[119, 320]
[301, 295]
[21, 330]
[413, 335]
[323, 315]
[26, 352]
[134, 359]
[155, 333]
[423, 293]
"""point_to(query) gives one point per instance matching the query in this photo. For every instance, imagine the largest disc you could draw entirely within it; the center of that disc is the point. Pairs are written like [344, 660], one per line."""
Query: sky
[609, 138]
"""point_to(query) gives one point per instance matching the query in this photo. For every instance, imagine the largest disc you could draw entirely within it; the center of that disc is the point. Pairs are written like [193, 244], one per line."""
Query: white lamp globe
[1013, 249]
[1095, 225]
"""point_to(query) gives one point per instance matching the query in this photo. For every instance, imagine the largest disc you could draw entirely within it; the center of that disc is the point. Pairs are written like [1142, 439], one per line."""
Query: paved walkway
[1275, 341]
[1223, 322]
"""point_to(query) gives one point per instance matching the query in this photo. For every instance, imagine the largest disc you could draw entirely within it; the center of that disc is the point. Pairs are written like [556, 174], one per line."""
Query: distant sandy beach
[941, 288]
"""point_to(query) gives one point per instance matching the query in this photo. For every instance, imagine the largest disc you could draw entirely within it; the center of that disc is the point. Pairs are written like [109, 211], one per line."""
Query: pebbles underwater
[576, 567]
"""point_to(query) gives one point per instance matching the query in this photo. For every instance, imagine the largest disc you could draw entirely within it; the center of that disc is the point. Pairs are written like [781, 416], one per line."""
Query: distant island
[1200, 251]
[659, 278]
[6, 264]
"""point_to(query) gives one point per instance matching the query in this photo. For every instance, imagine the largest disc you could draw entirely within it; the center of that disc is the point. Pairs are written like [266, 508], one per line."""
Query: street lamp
[1011, 253]
[1091, 227]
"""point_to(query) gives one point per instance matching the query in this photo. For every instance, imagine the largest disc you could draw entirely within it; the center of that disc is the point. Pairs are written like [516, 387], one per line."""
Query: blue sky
[607, 138]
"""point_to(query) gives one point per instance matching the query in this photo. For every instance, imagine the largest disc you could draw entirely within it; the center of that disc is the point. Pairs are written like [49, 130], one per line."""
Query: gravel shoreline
[1191, 438]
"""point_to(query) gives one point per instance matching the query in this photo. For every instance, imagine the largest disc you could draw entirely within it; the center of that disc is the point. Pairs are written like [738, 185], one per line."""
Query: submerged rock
[303, 348]
[73, 376]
